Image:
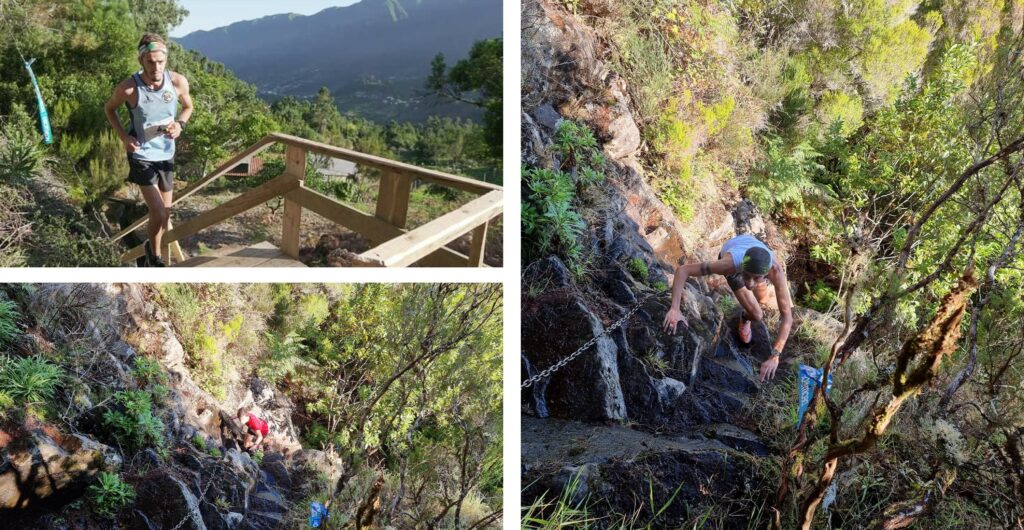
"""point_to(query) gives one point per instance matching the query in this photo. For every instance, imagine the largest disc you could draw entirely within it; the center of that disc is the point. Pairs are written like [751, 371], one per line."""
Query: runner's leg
[158, 215]
[168, 199]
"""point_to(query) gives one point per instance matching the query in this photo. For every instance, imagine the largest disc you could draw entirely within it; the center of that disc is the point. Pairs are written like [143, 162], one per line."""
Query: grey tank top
[156, 109]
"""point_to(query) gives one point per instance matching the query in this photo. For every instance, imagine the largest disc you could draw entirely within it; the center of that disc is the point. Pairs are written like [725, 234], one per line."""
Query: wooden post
[393, 198]
[478, 245]
[295, 169]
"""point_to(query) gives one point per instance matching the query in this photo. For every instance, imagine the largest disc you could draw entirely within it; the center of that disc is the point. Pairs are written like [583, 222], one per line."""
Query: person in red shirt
[255, 429]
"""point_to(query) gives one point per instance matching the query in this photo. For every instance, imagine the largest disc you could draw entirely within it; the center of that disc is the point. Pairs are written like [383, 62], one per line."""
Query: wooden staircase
[395, 246]
[264, 254]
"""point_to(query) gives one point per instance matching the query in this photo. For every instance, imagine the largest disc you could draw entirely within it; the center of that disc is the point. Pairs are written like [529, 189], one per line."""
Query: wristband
[776, 353]
[181, 124]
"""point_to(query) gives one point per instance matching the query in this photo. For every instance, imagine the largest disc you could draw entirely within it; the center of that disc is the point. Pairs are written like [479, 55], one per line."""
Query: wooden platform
[264, 254]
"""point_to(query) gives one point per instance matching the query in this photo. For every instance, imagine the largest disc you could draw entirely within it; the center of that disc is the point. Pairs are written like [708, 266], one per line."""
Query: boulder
[40, 463]
[164, 501]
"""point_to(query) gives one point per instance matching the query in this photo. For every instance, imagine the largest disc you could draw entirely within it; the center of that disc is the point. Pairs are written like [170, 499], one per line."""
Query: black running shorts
[151, 173]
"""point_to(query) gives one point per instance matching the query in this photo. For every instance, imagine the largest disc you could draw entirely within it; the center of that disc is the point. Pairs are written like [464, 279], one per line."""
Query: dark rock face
[41, 464]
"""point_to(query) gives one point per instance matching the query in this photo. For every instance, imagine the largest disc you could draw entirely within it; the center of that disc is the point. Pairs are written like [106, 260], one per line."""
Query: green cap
[756, 261]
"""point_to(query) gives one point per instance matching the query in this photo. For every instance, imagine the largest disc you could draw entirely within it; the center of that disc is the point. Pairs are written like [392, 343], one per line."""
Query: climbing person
[151, 96]
[748, 264]
[255, 430]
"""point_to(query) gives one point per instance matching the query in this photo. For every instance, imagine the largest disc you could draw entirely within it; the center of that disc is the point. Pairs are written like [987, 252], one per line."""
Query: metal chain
[547, 372]
[193, 513]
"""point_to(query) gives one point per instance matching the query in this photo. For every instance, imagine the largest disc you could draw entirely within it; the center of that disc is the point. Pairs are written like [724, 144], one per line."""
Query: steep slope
[189, 472]
[683, 440]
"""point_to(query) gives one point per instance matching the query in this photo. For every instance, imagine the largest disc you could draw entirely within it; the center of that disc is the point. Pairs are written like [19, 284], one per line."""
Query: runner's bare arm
[122, 92]
[674, 315]
[181, 85]
[785, 301]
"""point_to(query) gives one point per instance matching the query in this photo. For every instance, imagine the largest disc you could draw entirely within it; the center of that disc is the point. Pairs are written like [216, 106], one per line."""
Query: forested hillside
[876, 147]
[377, 60]
[383, 400]
[82, 50]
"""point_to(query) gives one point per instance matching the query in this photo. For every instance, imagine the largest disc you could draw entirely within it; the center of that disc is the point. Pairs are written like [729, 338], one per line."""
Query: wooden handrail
[396, 246]
[409, 248]
[386, 164]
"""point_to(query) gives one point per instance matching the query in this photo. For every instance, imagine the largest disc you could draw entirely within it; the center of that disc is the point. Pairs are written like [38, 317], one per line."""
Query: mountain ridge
[374, 64]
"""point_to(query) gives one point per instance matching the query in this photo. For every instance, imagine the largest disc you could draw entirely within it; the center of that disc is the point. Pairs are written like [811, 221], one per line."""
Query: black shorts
[151, 173]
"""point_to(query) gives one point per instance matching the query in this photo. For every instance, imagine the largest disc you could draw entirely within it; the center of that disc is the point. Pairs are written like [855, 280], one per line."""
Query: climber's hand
[768, 367]
[672, 318]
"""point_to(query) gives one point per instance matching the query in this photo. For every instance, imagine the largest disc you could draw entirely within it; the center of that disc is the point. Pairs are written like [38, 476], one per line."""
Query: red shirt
[258, 425]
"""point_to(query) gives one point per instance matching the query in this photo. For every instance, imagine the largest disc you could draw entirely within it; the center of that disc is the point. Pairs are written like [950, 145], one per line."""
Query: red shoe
[744, 330]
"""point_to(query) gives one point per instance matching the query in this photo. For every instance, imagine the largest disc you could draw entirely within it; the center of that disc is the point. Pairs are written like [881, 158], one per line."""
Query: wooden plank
[374, 229]
[295, 162]
[264, 254]
[415, 244]
[290, 232]
[477, 245]
[400, 202]
[429, 175]
[386, 192]
[258, 147]
[241, 203]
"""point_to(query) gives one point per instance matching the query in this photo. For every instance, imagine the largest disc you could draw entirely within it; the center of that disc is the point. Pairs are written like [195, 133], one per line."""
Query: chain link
[547, 372]
[193, 513]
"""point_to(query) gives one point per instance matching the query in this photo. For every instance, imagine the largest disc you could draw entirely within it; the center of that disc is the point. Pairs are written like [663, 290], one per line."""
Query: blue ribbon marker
[44, 117]
[808, 379]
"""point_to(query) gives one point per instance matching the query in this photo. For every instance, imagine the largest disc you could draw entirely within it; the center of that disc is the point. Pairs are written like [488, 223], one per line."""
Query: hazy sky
[206, 14]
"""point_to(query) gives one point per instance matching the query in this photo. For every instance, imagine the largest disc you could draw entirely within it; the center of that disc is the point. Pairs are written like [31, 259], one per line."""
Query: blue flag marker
[808, 379]
[318, 514]
[44, 117]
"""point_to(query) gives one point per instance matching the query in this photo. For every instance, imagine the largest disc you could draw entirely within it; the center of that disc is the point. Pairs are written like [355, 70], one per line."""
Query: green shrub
[59, 241]
[133, 424]
[820, 297]
[785, 177]
[257, 457]
[110, 495]
[8, 321]
[215, 452]
[837, 106]
[29, 380]
[199, 442]
[148, 371]
[551, 219]
[21, 158]
[638, 268]
[284, 357]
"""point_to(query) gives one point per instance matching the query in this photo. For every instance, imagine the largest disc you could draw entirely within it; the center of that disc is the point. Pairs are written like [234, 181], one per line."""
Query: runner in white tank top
[748, 264]
[152, 96]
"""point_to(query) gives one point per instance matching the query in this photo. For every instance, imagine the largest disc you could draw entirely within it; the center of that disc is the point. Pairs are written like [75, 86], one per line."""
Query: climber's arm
[674, 315]
[785, 302]
[259, 439]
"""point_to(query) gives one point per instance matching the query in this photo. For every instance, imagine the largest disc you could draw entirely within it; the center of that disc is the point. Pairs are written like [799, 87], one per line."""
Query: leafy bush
[284, 357]
[59, 241]
[785, 177]
[133, 424]
[110, 495]
[837, 106]
[199, 442]
[551, 219]
[8, 321]
[29, 380]
[638, 268]
[148, 371]
[21, 158]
